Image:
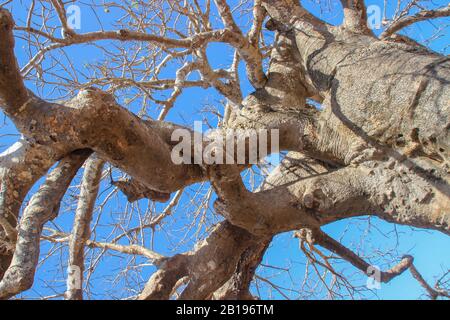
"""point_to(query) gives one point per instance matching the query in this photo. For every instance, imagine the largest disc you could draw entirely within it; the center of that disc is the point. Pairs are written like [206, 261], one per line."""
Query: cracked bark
[238, 285]
[208, 267]
[81, 230]
[380, 145]
[21, 166]
[43, 206]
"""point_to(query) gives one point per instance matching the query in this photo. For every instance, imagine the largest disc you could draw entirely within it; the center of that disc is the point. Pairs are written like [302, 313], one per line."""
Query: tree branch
[292, 14]
[61, 11]
[20, 167]
[248, 48]
[161, 284]
[217, 255]
[238, 286]
[227, 17]
[317, 236]
[43, 206]
[13, 94]
[132, 249]
[81, 230]
[134, 191]
[434, 293]
[313, 201]
[409, 20]
[355, 16]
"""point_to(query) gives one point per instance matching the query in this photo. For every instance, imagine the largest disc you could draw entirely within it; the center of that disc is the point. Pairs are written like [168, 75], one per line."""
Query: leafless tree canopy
[363, 123]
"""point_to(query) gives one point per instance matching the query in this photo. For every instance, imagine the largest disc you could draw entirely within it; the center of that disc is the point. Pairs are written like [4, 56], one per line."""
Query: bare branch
[132, 249]
[227, 17]
[317, 236]
[218, 254]
[406, 21]
[161, 284]
[377, 144]
[434, 293]
[248, 49]
[81, 230]
[60, 10]
[134, 190]
[13, 94]
[259, 14]
[43, 206]
[20, 167]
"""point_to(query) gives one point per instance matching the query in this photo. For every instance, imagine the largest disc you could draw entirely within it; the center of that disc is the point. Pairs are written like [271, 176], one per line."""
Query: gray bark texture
[379, 146]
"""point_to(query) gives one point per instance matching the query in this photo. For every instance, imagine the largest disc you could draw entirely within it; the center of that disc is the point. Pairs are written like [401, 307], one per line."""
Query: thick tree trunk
[380, 146]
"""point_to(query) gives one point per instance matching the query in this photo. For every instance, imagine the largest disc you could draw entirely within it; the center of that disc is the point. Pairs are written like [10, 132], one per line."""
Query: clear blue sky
[372, 237]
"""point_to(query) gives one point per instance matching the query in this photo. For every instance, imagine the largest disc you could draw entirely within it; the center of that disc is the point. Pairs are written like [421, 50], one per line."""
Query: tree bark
[378, 146]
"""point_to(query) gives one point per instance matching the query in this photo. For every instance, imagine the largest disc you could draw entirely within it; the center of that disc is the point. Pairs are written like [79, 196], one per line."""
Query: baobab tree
[363, 123]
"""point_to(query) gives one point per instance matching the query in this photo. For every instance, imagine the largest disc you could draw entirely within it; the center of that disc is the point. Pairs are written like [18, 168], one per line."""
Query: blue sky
[384, 242]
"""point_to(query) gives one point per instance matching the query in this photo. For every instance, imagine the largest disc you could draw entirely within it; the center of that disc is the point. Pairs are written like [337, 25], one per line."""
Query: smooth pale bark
[81, 230]
[379, 147]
